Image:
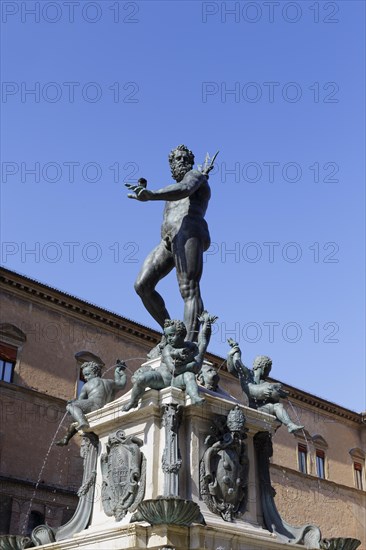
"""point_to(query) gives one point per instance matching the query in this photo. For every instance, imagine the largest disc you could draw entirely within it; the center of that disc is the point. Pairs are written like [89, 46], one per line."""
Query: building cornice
[40, 292]
[322, 404]
[10, 387]
[321, 481]
[56, 299]
[40, 486]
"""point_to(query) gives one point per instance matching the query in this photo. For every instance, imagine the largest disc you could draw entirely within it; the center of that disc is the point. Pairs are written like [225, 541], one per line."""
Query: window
[8, 356]
[358, 459]
[81, 383]
[320, 463]
[302, 453]
[11, 342]
[5, 513]
[82, 357]
[67, 514]
[35, 519]
[358, 475]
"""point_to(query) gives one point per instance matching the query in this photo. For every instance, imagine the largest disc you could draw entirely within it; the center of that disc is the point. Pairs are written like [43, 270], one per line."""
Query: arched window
[81, 357]
[35, 519]
[6, 503]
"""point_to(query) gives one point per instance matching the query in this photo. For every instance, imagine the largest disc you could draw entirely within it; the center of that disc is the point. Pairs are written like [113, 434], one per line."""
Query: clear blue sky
[277, 87]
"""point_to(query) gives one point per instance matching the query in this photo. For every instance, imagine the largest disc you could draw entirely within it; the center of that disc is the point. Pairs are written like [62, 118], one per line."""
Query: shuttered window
[320, 463]
[302, 453]
[8, 357]
[358, 475]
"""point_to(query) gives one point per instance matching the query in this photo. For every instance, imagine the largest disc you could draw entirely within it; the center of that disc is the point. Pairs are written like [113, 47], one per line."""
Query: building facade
[45, 334]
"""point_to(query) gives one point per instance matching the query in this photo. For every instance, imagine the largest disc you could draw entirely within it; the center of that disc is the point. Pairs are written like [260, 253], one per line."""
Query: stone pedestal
[154, 459]
[146, 423]
[146, 426]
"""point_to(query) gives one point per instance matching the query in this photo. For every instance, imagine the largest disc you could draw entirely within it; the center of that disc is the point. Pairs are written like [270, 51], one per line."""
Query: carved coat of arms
[224, 467]
[123, 470]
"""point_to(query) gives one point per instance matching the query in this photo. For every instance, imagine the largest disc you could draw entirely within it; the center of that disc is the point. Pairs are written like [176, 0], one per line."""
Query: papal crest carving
[224, 467]
[123, 470]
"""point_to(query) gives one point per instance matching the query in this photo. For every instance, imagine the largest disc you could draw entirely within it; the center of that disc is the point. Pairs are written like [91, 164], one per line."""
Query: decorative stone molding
[340, 544]
[10, 334]
[14, 542]
[171, 461]
[319, 442]
[123, 470]
[224, 467]
[357, 453]
[307, 535]
[304, 436]
[43, 534]
[86, 356]
[169, 511]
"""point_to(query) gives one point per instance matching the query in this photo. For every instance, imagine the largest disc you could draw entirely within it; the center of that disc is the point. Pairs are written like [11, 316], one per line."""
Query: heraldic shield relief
[123, 470]
[224, 467]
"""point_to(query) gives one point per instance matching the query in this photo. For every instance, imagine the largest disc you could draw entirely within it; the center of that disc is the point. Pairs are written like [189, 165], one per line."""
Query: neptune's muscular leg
[185, 228]
[188, 256]
[156, 266]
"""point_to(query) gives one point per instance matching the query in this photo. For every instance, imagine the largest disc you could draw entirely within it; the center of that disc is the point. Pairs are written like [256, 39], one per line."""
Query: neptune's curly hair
[182, 148]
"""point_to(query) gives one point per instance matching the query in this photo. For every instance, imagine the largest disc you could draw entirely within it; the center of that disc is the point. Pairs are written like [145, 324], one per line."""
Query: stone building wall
[46, 362]
[58, 326]
[339, 434]
[337, 509]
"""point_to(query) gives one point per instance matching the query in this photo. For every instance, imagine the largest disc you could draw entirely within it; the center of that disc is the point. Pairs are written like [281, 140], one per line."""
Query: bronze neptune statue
[184, 238]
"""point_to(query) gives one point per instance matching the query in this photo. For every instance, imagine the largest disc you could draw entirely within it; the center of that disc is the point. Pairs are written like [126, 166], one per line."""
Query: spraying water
[302, 429]
[126, 361]
[40, 474]
[222, 364]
